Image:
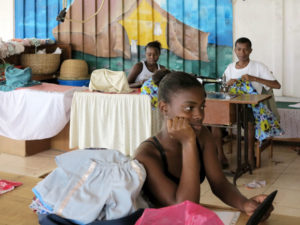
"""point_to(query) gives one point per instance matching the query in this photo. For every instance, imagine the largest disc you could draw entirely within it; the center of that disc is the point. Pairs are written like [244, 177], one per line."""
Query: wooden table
[227, 112]
[14, 205]
[43, 111]
[274, 219]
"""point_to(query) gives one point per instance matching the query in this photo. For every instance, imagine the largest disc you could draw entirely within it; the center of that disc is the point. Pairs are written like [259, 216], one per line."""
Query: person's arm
[189, 185]
[220, 186]
[263, 76]
[228, 74]
[135, 71]
[270, 83]
[231, 82]
[164, 190]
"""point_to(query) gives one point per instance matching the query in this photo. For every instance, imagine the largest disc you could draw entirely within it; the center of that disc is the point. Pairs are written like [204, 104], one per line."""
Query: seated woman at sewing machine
[262, 80]
[143, 70]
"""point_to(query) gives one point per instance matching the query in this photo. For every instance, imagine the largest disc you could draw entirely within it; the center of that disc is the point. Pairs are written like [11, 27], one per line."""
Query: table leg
[238, 154]
[246, 161]
[242, 168]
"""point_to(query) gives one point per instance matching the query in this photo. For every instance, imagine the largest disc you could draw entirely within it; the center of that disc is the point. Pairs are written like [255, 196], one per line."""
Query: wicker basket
[74, 69]
[41, 64]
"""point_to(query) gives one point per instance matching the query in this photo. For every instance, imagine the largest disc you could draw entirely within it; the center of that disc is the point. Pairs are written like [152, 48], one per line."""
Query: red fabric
[6, 185]
[185, 213]
[49, 87]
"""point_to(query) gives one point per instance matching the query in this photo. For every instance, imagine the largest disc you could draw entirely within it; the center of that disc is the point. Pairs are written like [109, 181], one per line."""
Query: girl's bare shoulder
[205, 138]
[146, 149]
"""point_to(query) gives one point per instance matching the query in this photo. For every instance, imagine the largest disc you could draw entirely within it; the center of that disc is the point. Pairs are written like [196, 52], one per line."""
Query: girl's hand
[231, 82]
[248, 77]
[141, 82]
[180, 129]
[253, 203]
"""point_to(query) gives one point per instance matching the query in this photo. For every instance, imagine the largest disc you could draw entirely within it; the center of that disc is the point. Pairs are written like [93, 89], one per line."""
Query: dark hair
[243, 40]
[154, 44]
[175, 81]
[159, 75]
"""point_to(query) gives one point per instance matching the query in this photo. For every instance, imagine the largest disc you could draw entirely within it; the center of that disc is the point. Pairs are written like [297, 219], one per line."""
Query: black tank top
[162, 152]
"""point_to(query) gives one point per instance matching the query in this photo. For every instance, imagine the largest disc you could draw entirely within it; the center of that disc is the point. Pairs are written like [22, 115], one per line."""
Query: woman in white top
[248, 70]
[143, 70]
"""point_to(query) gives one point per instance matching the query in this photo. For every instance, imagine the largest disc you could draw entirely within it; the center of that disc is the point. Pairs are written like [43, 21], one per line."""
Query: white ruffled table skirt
[36, 112]
[114, 121]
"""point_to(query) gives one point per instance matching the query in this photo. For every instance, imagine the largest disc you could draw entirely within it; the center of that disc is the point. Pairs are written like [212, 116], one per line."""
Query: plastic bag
[185, 213]
[109, 81]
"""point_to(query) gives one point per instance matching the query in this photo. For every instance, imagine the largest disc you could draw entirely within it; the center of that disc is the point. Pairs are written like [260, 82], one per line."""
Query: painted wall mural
[196, 35]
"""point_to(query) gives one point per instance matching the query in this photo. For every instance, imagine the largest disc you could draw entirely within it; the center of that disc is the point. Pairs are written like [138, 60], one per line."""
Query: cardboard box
[23, 148]
[61, 140]
[27, 148]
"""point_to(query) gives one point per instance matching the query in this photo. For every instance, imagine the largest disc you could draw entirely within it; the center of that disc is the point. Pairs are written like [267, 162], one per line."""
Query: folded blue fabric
[16, 78]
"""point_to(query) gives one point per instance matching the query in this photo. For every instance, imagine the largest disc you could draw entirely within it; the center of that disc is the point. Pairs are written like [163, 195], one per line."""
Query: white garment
[93, 184]
[254, 68]
[145, 74]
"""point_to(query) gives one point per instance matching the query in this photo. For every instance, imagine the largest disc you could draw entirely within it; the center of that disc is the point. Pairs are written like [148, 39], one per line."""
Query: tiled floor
[281, 173]
[36, 165]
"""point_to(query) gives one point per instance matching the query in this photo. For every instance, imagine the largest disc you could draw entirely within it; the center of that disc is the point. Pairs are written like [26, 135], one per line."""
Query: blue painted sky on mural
[200, 14]
[39, 22]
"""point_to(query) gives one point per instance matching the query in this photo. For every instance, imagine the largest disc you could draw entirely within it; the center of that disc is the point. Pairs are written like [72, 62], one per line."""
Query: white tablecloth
[290, 122]
[36, 112]
[114, 121]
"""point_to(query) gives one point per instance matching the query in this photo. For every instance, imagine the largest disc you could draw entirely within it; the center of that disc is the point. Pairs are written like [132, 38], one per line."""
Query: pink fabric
[185, 213]
[6, 185]
[49, 87]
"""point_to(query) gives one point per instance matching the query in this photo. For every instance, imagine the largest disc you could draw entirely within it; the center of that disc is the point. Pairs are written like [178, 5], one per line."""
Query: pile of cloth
[17, 46]
[91, 185]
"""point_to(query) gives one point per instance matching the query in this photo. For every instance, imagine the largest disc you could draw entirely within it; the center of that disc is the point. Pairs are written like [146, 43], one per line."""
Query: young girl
[143, 70]
[183, 153]
[150, 86]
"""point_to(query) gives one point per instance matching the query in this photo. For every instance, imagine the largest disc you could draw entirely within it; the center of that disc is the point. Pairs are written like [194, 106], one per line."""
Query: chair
[268, 143]
[260, 148]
